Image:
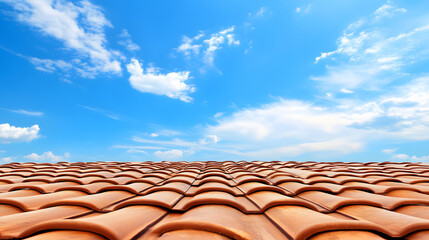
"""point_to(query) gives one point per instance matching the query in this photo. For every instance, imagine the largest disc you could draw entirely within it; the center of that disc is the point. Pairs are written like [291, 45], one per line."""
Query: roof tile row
[214, 200]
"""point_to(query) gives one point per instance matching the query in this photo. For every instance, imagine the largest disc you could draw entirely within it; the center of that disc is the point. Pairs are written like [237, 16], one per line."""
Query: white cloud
[9, 134]
[260, 13]
[102, 111]
[174, 153]
[346, 91]
[2, 151]
[48, 65]
[388, 10]
[135, 150]
[406, 157]
[218, 114]
[164, 132]
[150, 80]
[420, 159]
[389, 150]
[79, 26]
[47, 156]
[139, 147]
[6, 159]
[67, 81]
[215, 42]
[373, 51]
[205, 47]
[292, 127]
[175, 142]
[187, 47]
[127, 42]
[210, 139]
[163, 147]
[24, 112]
[401, 156]
[342, 146]
[288, 121]
[303, 9]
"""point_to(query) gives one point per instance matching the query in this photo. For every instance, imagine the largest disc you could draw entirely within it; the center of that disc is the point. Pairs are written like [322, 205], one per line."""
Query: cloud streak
[24, 112]
[102, 111]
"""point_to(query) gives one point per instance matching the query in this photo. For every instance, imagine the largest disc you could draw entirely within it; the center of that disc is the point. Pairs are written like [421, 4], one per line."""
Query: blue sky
[214, 80]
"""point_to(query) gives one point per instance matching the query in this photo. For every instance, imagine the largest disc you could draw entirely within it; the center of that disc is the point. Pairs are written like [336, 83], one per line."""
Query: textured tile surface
[214, 200]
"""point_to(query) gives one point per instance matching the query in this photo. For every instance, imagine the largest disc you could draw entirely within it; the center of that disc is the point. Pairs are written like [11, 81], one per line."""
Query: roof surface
[214, 200]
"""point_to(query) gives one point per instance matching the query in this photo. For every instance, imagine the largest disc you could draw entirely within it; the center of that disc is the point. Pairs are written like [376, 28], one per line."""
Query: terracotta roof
[214, 200]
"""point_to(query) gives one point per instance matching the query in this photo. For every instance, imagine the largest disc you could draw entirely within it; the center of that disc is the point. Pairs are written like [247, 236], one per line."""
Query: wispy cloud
[49, 65]
[389, 150]
[304, 9]
[260, 13]
[139, 147]
[48, 156]
[24, 112]
[218, 114]
[6, 159]
[171, 147]
[102, 111]
[169, 154]
[127, 42]
[78, 25]
[158, 131]
[205, 47]
[150, 80]
[10, 134]
[373, 51]
[405, 157]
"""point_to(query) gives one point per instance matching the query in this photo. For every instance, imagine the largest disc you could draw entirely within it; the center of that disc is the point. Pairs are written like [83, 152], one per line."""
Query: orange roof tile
[214, 200]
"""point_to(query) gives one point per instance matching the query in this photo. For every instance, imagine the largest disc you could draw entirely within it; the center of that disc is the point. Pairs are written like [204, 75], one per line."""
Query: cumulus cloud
[373, 51]
[10, 134]
[293, 127]
[78, 25]
[47, 156]
[150, 80]
[205, 47]
[174, 153]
